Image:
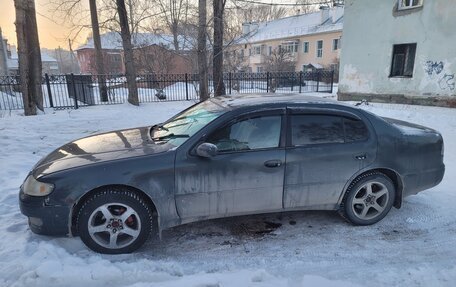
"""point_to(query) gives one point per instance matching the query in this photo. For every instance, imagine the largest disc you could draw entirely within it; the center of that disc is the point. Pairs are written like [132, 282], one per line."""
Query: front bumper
[42, 218]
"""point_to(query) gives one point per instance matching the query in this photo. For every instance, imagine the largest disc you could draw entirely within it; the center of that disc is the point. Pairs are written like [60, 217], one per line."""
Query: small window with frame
[320, 49]
[409, 4]
[403, 60]
[305, 46]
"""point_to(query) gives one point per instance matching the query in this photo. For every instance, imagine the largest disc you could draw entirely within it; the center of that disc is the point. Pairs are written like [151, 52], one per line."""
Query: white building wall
[372, 27]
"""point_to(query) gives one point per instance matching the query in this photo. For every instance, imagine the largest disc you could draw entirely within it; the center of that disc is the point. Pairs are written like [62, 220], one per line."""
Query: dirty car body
[232, 156]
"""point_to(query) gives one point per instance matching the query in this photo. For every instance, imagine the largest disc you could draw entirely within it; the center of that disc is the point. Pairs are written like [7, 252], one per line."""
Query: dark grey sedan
[225, 157]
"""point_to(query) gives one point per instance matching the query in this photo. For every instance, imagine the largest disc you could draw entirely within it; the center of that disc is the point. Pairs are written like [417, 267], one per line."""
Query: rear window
[324, 129]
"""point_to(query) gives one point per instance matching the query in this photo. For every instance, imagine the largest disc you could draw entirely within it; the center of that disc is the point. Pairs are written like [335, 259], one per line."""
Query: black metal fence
[73, 91]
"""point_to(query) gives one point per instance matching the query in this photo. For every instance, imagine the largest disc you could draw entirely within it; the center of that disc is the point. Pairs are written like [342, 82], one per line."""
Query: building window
[257, 50]
[320, 49]
[408, 4]
[250, 52]
[305, 46]
[259, 69]
[270, 51]
[335, 44]
[403, 60]
[290, 47]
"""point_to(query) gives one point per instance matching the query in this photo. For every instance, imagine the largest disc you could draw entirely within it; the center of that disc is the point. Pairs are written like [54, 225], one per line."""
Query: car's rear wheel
[368, 199]
[114, 221]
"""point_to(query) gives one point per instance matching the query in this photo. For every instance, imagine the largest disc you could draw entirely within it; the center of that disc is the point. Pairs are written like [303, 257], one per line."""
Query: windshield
[185, 124]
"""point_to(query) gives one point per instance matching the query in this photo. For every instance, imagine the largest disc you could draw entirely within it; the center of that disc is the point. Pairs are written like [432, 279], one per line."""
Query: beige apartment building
[311, 41]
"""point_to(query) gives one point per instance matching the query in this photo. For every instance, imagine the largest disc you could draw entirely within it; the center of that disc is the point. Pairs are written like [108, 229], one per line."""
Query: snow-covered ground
[413, 246]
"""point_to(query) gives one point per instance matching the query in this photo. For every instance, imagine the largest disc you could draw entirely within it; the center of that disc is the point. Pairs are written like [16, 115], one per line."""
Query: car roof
[251, 100]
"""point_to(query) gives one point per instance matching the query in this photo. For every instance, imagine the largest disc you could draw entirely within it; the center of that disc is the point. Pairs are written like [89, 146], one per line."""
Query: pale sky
[51, 32]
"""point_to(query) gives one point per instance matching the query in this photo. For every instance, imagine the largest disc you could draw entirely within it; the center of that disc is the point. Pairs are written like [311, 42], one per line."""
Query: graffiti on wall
[447, 82]
[431, 67]
[435, 70]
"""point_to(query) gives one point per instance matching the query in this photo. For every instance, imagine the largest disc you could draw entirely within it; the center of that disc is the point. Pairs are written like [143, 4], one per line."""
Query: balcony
[257, 59]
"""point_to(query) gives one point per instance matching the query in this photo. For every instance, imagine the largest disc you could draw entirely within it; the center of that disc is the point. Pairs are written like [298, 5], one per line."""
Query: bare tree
[202, 50]
[29, 56]
[140, 13]
[128, 53]
[154, 59]
[217, 62]
[239, 12]
[309, 6]
[174, 13]
[234, 61]
[98, 52]
[280, 60]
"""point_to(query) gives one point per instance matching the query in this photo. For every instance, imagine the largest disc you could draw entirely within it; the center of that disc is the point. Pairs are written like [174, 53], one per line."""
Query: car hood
[100, 148]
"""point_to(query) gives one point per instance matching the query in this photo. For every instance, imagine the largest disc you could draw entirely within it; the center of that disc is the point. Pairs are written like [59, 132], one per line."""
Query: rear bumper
[44, 219]
[414, 183]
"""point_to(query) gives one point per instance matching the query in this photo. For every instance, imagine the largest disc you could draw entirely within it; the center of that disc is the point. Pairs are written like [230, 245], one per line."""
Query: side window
[249, 134]
[316, 129]
[323, 129]
[355, 130]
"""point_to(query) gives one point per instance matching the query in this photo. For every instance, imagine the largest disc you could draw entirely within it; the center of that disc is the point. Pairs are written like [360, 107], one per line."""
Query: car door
[324, 150]
[246, 176]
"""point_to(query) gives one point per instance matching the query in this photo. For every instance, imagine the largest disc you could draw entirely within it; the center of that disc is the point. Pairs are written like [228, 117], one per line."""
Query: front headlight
[34, 187]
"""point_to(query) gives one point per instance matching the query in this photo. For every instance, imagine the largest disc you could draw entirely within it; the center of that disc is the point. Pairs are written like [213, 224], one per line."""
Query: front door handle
[273, 163]
[361, 157]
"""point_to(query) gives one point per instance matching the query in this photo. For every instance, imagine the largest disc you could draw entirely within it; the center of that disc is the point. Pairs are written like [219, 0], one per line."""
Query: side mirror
[206, 150]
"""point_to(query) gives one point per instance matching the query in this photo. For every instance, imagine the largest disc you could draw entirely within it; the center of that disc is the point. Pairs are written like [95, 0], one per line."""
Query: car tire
[368, 199]
[114, 221]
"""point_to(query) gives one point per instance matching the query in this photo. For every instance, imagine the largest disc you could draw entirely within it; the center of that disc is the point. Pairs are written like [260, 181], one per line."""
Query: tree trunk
[29, 56]
[202, 50]
[103, 90]
[128, 53]
[175, 30]
[217, 62]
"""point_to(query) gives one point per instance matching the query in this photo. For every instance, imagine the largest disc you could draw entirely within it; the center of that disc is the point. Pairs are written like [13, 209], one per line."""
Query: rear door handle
[273, 163]
[361, 157]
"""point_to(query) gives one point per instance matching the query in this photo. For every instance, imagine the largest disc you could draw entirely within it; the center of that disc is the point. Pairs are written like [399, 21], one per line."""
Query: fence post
[48, 85]
[186, 86]
[229, 81]
[318, 79]
[74, 92]
[332, 82]
[267, 82]
[300, 81]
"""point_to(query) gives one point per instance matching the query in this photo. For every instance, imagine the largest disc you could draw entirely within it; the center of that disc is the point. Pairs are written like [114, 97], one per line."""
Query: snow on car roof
[259, 99]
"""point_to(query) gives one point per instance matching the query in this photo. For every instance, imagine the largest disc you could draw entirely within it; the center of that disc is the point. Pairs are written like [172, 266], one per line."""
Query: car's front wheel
[114, 221]
[369, 199]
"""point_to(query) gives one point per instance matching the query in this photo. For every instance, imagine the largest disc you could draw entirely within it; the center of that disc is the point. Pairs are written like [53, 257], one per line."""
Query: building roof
[326, 20]
[113, 41]
[46, 58]
[13, 62]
